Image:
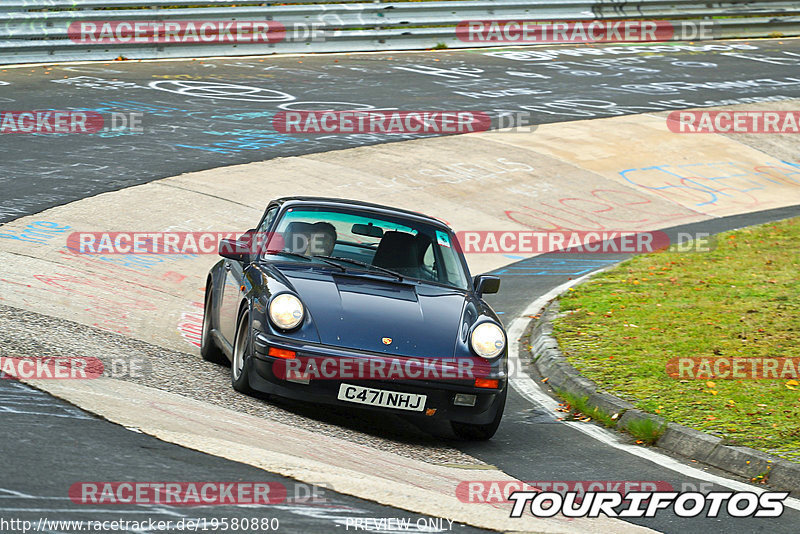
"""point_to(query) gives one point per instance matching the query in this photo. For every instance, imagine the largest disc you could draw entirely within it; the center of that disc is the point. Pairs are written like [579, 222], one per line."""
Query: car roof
[357, 203]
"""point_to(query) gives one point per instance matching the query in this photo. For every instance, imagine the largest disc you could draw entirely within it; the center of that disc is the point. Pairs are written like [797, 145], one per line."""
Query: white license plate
[382, 397]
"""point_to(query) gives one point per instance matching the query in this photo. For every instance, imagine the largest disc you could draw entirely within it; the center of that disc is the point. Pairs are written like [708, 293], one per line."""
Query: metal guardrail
[41, 31]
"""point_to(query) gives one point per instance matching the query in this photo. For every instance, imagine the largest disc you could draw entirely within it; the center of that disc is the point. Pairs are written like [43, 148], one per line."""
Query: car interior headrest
[397, 250]
[296, 236]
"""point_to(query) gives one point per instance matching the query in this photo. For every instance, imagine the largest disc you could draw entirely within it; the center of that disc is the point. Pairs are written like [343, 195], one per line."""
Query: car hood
[359, 312]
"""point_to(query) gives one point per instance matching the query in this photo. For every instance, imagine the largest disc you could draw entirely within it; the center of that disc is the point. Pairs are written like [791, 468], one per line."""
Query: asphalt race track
[210, 113]
[91, 449]
[185, 130]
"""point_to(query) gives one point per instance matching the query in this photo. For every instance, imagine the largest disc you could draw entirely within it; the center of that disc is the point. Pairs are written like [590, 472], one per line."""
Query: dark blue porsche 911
[354, 304]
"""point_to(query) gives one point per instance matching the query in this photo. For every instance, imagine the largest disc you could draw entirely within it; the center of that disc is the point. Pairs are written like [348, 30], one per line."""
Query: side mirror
[237, 249]
[485, 284]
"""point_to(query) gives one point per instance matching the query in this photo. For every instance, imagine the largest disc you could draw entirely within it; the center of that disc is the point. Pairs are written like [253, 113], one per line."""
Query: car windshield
[362, 241]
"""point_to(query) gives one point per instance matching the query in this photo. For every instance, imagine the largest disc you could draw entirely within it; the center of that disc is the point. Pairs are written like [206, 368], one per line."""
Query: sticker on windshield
[443, 239]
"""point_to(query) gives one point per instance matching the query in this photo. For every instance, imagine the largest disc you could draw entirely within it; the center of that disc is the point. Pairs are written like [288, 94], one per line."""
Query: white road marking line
[22, 400]
[16, 494]
[529, 389]
[28, 403]
[5, 410]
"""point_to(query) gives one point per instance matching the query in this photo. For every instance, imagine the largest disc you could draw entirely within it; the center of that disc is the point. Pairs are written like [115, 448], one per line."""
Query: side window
[429, 264]
[429, 259]
[268, 219]
[450, 268]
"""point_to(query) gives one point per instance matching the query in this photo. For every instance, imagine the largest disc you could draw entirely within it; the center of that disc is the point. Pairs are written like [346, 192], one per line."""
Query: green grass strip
[740, 300]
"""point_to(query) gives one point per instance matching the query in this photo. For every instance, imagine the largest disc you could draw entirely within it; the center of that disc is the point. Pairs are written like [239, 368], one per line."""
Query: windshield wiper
[306, 258]
[287, 253]
[364, 264]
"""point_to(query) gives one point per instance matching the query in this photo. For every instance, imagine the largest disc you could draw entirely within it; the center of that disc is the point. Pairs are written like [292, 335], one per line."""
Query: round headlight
[286, 311]
[488, 340]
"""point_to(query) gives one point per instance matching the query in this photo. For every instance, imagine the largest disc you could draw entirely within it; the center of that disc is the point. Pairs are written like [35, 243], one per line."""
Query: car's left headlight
[488, 340]
[286, 311]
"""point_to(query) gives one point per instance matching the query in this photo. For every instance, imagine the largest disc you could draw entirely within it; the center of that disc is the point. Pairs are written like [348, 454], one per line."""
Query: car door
[232, 294]
[233, 271]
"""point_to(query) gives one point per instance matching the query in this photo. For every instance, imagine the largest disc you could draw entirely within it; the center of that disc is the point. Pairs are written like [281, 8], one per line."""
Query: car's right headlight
[488, 340]
[286, 311]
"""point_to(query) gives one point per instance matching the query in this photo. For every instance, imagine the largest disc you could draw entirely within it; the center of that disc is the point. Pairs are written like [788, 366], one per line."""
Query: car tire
[208, 347]
[242, 349]
[472, 432]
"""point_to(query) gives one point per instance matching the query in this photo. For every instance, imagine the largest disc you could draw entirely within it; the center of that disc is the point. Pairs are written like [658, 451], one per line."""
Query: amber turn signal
[285, 354]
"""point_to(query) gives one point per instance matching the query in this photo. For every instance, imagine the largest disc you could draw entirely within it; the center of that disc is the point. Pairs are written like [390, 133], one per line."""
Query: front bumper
[440, 394]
